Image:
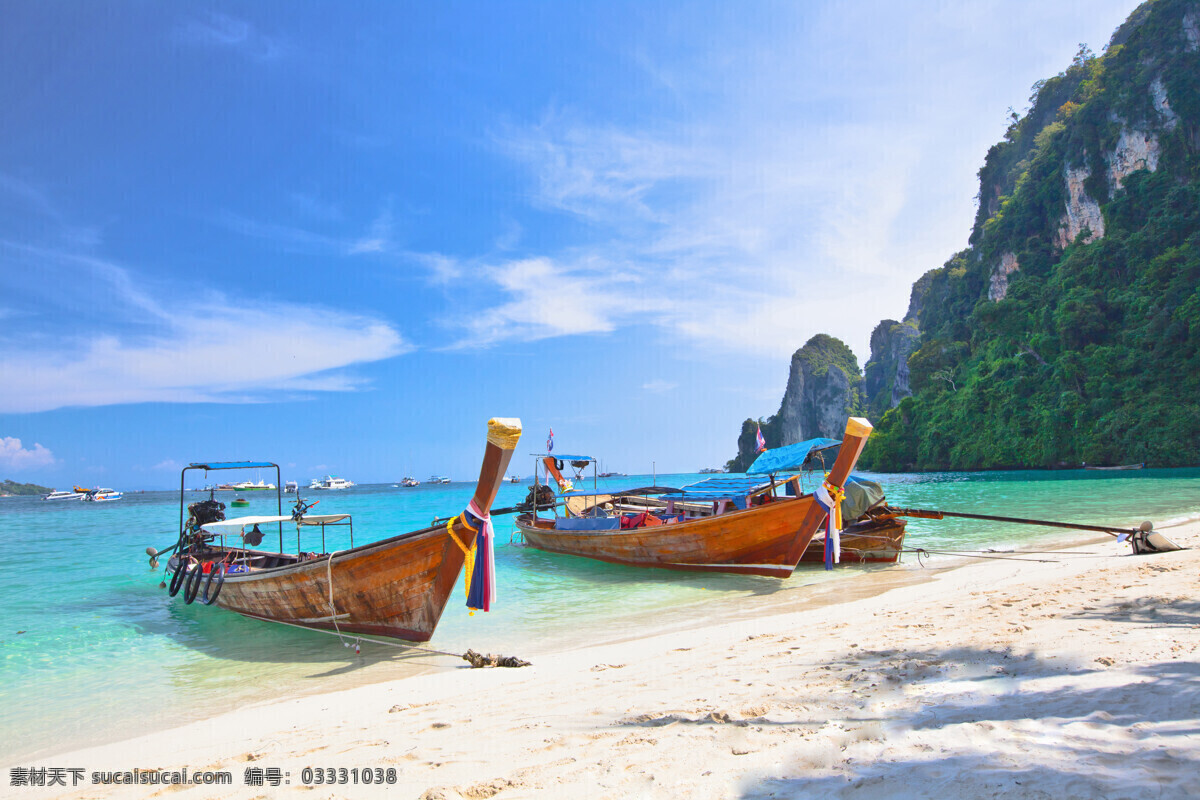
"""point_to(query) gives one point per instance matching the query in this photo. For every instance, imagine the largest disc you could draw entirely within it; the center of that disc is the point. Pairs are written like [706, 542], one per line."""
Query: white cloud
[222, 30]
[548, 298]
[16, 457]
[658, 386]
[169, 465]
[155, 356]
[791, 174]
[296, 349]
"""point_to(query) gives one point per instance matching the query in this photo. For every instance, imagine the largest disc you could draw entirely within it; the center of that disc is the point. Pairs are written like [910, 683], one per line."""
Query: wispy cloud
[135, 350]
[234, 33]
[547, 298]
[761, 185]
[14, 456]
[300, 350]
[658, 386]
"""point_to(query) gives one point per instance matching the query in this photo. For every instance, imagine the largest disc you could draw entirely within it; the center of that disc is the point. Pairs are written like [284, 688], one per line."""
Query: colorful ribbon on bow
[830, 498]
[480, 583]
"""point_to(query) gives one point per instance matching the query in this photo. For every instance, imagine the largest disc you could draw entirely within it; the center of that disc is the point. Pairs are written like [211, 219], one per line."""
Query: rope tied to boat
[481, 582]
[830, 497]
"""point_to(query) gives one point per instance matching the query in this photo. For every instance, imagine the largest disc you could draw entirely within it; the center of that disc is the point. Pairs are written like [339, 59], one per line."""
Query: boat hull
[755, 541]
[871, 542]
[397, 587]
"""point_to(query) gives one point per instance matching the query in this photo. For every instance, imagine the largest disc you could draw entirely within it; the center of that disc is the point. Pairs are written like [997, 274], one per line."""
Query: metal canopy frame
[214, 466]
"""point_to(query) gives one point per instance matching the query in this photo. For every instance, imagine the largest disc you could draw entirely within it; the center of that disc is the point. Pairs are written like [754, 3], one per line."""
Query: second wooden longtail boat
[767, 536]
[396, 587]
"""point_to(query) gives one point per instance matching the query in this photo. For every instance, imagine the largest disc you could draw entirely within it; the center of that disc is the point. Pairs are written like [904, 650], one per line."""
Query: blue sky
[340, 236]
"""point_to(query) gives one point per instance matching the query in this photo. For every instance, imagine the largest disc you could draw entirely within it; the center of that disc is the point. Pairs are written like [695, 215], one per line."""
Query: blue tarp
[718, 489]
[563, 457]
[793, 457]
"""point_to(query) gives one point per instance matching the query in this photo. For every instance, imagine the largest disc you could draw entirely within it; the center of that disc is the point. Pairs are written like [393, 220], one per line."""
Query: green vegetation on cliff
[1069, 330]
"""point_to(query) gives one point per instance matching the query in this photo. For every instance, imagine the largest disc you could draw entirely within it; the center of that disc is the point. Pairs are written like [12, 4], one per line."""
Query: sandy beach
[1066, 674]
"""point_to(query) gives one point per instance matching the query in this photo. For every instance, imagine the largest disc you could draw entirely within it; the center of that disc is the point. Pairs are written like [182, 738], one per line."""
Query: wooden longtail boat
[396, 587]
[768, 537]
[872, 540]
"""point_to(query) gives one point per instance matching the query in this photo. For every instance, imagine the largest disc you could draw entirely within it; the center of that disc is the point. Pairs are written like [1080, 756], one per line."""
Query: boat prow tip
[504, 432]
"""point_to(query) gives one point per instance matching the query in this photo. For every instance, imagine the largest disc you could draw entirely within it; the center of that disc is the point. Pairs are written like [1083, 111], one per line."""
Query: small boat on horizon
[438, 479]
[409, 482]
[74, 494]
[1122, 466]
[331, 482]
[102, 495]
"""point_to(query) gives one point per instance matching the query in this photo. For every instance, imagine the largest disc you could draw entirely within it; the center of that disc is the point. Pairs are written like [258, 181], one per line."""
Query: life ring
[178, 578]
[218, 572]
[195, 577]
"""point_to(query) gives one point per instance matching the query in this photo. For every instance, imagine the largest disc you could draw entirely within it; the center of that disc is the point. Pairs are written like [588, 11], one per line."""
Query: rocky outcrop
[1191, 31]
[998, 283]
[1136, 149]
[1158, 91]
[824, 388]
[885, 379]
[1083, 212]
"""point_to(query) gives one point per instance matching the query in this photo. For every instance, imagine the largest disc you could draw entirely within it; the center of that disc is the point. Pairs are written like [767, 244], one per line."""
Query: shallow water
[93, 651]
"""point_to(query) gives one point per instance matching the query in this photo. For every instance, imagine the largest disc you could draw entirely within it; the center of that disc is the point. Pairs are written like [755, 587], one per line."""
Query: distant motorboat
[1123, 466]
[291, 487]
[331, 482]
[514, 479]
[102, 495]
[65, 495]
[410, 482]
[438, 479]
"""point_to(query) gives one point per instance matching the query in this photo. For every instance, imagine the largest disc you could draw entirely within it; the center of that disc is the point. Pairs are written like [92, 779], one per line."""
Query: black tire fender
[178, 578]
[195, 578]
[218, 572]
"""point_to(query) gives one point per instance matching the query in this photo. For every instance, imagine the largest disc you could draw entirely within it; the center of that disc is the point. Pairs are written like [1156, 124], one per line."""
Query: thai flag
[550, 442]
[760, 443]
[833, 520]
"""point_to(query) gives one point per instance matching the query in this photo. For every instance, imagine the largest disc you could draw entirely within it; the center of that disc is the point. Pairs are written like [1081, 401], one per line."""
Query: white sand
[1078, 678]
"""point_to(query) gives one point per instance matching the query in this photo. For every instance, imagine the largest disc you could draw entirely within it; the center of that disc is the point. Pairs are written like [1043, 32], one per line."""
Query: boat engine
[541, 495]
[206, 511]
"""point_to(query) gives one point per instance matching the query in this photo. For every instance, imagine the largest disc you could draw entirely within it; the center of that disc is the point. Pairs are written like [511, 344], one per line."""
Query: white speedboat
[330, 482]
[102, 495]
[64, 495]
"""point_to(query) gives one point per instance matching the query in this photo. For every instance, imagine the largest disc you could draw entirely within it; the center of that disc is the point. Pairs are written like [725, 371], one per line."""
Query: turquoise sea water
[92, 650]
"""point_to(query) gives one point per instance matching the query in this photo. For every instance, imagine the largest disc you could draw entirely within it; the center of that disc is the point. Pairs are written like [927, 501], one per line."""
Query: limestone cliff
[1069, 330]
[824, 388]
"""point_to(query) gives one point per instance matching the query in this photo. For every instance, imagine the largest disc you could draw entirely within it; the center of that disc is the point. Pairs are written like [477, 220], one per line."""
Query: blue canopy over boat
[719, 488]
[230, 464]
[564, 457]
[809, 454]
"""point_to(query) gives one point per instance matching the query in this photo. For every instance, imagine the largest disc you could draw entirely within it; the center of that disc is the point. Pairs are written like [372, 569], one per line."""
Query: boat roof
[563, 457]
[246, 522]
[722, 488]
[231, 464]
[793, 457]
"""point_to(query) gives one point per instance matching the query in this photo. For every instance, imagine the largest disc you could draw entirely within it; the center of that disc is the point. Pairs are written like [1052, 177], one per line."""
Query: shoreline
[1075, 674]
